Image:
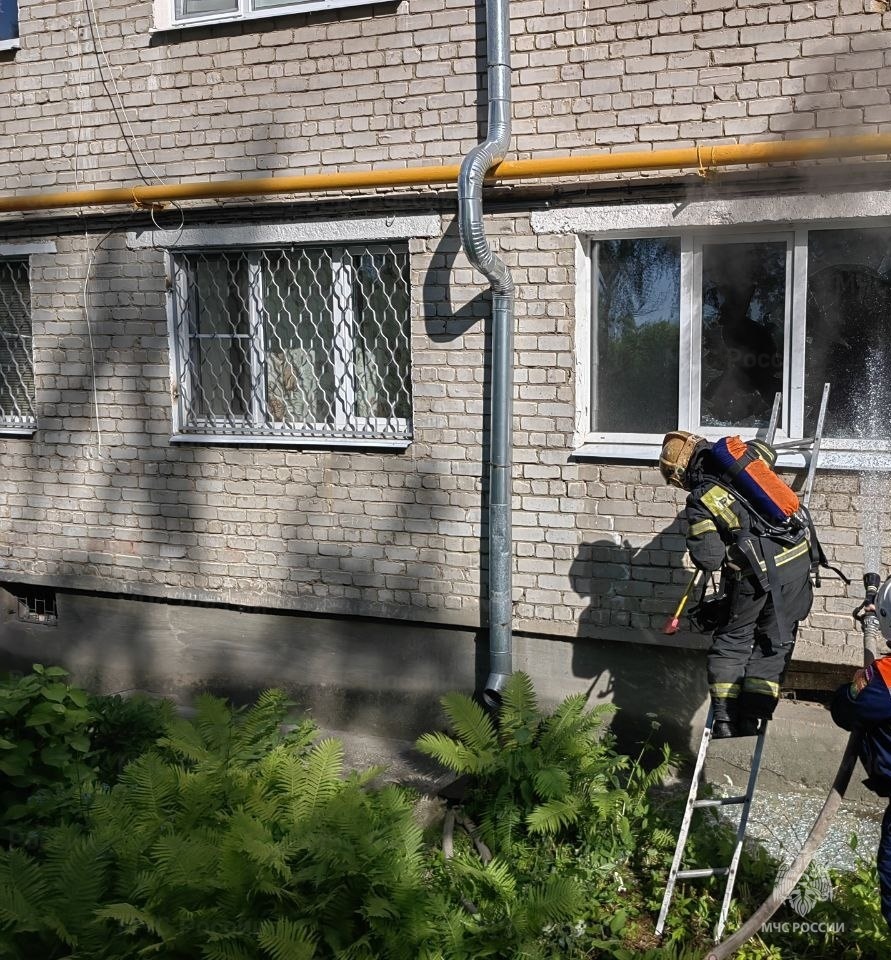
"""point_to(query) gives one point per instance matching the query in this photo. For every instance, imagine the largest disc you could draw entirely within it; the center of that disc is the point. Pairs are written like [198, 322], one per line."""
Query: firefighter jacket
[722, 533]
[864, 706]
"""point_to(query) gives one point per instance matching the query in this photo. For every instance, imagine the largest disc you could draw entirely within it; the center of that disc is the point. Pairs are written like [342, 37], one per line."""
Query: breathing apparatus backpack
[747, 468]
[773, 507]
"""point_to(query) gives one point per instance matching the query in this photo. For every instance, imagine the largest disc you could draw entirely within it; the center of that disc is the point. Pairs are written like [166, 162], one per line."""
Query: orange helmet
[678, 448]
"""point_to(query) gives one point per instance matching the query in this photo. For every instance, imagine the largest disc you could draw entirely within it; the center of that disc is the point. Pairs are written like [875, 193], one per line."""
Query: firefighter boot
[749, 726]
[722, 723]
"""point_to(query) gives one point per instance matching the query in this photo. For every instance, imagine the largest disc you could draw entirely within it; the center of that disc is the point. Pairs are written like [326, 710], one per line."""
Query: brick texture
[100, 499]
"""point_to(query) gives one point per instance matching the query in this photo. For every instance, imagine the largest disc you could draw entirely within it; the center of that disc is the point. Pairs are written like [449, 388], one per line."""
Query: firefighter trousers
[748, 657]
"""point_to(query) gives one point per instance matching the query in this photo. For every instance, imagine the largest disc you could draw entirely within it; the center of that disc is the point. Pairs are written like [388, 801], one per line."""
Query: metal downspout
[476, 164]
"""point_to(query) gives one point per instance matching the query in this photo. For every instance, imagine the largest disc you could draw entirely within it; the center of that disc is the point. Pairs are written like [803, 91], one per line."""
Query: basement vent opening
[37, 605]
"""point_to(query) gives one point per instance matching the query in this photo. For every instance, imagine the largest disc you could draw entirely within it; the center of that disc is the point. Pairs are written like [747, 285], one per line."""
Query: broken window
[743, 316]
[848, 306]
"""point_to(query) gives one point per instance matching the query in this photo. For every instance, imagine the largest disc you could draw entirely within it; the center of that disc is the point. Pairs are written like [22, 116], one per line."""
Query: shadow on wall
[651, 678]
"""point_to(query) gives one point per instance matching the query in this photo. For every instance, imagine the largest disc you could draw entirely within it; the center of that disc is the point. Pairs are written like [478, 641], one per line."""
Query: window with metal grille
[36, 605]
[16, 364]
[298, 342]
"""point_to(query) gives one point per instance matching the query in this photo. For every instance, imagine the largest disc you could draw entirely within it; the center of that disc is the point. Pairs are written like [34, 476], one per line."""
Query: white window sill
[269, 441]
[164, 22]
[6, 431]
[10, 44]
[830, 458]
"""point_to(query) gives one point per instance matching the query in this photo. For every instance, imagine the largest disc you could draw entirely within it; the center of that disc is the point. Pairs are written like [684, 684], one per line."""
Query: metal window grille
[292, 342]
[37, 605]
[16, 363]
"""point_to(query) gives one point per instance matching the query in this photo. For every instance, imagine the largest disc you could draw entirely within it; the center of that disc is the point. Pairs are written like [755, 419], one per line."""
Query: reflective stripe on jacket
[718, 523]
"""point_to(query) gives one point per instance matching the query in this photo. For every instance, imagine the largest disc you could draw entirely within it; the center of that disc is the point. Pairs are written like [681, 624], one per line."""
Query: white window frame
[715, 221]
[368, 232]
[165, 12]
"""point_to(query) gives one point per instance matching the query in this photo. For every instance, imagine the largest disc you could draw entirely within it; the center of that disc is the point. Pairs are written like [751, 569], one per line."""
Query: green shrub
[44, 742]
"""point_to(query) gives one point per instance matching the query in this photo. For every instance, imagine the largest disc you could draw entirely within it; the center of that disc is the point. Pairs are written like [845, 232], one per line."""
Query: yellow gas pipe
[703, 159]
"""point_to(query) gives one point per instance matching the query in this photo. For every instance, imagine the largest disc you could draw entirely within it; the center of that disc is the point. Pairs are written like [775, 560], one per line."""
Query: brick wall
[597, 546]
[378, 86]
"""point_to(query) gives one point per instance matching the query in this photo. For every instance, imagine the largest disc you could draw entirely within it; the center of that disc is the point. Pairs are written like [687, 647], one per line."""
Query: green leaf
[471, 723]
[286, 940]
[618, 922]
[78, 697]
[56, 692]
[55, 755]
[43, 714]
[79, 742]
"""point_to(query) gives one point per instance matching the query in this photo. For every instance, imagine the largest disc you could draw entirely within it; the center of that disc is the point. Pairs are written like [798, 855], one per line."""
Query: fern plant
[536, 775]
[229, 840]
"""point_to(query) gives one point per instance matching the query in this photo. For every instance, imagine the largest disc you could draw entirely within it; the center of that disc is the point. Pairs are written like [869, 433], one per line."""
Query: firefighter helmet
[678, 448]
[883, 609]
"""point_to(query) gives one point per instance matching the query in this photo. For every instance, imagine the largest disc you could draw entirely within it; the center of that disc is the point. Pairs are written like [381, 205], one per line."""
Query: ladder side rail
[774, 419]
[685, 823]
[740, 834]
[815, 450]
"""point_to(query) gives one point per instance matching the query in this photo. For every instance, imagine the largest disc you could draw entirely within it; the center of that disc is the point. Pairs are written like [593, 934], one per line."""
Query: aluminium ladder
[743, 800]
[693, 803]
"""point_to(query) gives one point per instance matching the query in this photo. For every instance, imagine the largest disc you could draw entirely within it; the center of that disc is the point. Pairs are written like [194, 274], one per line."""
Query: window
[184, 13]
[36, 604]
[295, 342]
[9, 24]
[701, 330]
[16, 364]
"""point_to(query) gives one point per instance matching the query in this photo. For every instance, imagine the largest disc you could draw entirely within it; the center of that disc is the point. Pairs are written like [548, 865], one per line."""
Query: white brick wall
[597, 550]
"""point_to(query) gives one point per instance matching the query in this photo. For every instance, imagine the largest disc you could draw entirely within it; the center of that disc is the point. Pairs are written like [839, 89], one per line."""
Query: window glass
[9, 20]
[220, 336]
[381, 344]
[636, 342]
[16, 365]
[204, 8]
[299, 335]
[848, 310]
[743, 325]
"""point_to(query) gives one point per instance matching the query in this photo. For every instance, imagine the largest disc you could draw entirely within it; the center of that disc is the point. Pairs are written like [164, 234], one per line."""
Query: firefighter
[864, 706]
[765, 587]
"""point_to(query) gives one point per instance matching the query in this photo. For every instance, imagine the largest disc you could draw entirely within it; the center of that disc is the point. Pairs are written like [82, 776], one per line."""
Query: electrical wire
[117, 102]
[142, 164]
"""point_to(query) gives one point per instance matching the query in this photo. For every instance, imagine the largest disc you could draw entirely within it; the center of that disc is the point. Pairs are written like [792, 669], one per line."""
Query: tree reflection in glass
[743, 320]
[637, 306]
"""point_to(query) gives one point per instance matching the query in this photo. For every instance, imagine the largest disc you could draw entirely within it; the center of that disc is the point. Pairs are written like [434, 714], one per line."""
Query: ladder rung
[718, 802]
[703, 872]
